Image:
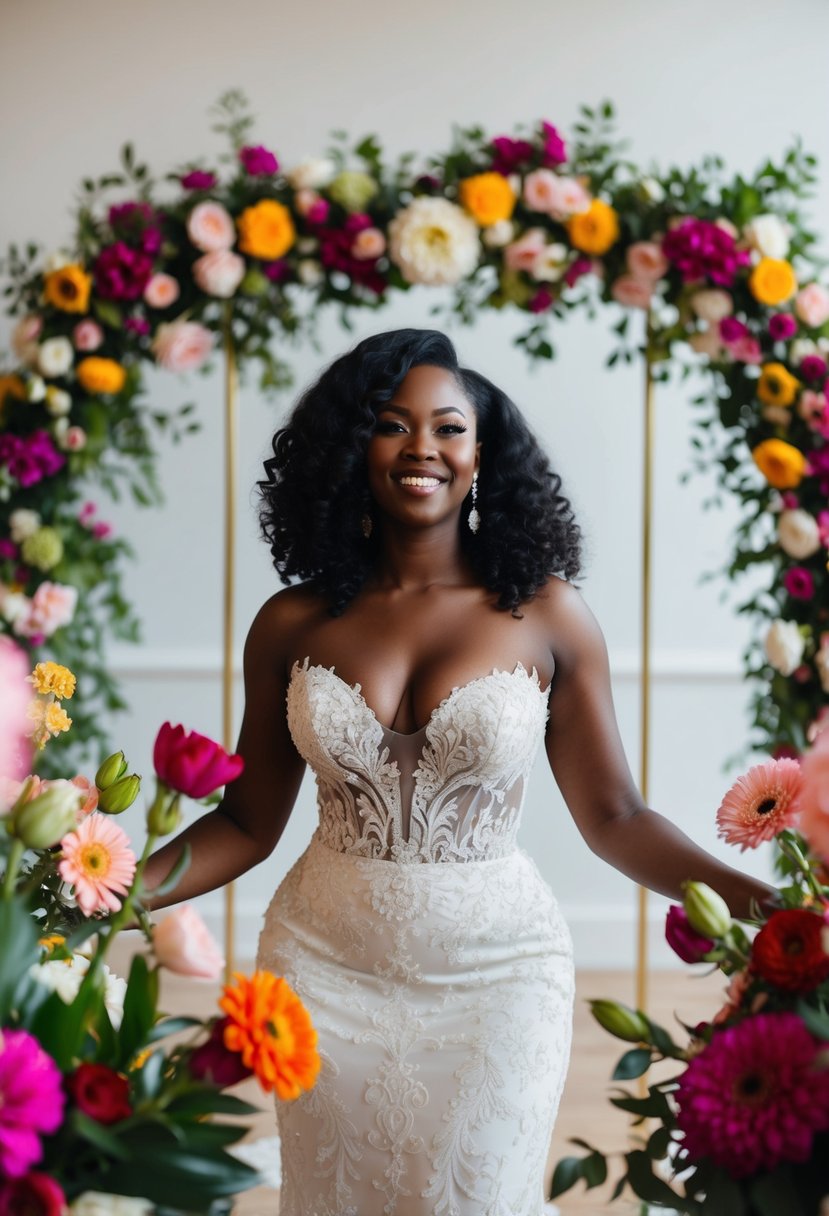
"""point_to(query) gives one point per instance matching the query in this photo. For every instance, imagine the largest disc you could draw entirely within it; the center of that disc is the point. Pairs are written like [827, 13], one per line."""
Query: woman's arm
[244, 828]
[589, 765]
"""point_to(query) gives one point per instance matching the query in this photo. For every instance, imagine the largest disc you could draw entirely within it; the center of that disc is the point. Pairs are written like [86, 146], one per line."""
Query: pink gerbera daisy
[761, 803]
[98, 861]
[755, 1096]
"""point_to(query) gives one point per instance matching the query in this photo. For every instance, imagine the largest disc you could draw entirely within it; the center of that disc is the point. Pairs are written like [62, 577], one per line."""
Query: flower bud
[164, 815]
[120, 795]
[620, 1020]
[41, 823]
[707, 911]
[112, 768]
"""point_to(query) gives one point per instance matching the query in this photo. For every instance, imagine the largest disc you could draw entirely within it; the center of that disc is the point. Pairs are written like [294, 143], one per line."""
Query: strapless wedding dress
[432, 957]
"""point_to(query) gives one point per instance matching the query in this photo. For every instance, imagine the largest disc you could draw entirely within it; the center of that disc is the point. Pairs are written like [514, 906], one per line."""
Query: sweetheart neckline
[356, 690]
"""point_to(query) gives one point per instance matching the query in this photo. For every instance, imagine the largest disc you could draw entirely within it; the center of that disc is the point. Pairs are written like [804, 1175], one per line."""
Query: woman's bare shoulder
[567, 621]
[287, 613]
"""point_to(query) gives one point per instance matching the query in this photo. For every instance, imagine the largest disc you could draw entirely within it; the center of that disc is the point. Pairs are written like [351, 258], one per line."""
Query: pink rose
[368, 244]
[814, 817]
[523, 253]
[183, 944]
[161, 291]
[210, 227]
[632, 292]
[812, 305]
[87, 335]
[712, 305]
[810, 406]
[558, 197]
[645, 260]
[191, 763]
[219, 273]
[52, 607]
[182, 346]
[305, 200]
[746, 350]
[74, 440]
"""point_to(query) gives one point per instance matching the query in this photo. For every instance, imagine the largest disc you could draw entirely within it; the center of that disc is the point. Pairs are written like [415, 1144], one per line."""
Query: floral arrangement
[90, 1088]
[743, 1128]
[720, 268]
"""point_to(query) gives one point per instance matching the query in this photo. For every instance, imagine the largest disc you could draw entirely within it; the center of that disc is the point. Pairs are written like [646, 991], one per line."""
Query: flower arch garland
[722, 267]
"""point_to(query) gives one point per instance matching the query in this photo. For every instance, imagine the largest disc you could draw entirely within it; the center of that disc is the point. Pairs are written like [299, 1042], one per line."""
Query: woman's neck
[411, 559]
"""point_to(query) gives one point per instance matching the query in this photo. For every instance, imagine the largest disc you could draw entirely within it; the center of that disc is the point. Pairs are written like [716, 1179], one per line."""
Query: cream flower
[55, 357]
[432, 241]
[498, 235]
[769, 235]
[822, 662]
[312, 174]
[23, 523]
[64, 977]
[798, 534]
[784, 646]
[711, 304]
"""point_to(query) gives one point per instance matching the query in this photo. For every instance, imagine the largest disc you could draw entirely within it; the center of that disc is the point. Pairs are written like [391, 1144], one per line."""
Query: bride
[435, 640]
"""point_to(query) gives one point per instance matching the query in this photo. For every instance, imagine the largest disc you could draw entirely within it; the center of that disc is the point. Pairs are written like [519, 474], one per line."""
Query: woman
[435, 641]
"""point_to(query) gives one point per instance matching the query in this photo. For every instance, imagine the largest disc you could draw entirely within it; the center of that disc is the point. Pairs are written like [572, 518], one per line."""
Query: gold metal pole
[645, 688]
[231, 430]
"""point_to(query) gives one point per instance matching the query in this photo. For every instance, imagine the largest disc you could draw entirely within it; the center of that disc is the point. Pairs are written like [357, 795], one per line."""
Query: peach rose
[305, 199]
[182, 346]
[812, 305]
[74, 440]
[712, 305]
[523, 253]
[52, 606]
[24, 338]
[707, 343]
[210, 227]
[368, 244]
[558, 197]
[645, 260]
[161, 291]
[219, 273]
[632, 292]
[87, 335]
[183, 944]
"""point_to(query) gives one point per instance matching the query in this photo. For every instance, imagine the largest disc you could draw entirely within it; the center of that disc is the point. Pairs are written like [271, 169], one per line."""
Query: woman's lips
[419, 487]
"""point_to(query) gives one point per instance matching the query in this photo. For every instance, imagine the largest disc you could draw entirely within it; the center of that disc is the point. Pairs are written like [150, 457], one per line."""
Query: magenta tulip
[191, 763]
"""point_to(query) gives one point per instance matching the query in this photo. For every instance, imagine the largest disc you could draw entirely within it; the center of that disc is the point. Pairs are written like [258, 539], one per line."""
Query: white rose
[58, 401]
[99, 1203]
[35, 388]
[798, 534]
[23, 523]
[309, 272]
[784, 646]
[55, 357]
[434, 241]
[550, 264]
[822, 665]
[769, 235]
[56, 261]
[712, 305]
[498, 235]
[312, 174]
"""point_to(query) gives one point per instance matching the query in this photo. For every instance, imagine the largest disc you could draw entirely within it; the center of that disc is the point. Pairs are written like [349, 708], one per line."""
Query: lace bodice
[450, 792]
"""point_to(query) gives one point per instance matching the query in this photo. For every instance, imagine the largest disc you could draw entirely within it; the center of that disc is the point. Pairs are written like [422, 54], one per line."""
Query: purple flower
[732, 330]
[318, 212]
[541, 301]
[122, 273]
[31, 1101]
[799, 583]
[683, 940]
[198, 179]
[510, 155]
[813, 367]
[782, 326]
[700, 250]
[258, 161]
[555, 152]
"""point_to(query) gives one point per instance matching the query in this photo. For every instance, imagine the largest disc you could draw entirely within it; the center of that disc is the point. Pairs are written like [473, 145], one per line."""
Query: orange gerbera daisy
[98, 861]
[761, 803]
[271, 1029]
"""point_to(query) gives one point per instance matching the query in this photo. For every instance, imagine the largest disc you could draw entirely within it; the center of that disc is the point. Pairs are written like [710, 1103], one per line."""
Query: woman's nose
[419, 445]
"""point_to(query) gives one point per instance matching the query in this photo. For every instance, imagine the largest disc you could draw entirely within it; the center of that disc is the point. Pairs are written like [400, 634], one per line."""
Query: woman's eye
[451, 428]
[389, 428]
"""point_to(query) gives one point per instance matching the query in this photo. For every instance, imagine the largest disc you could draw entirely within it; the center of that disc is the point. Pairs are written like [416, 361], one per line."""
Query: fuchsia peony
[511, 155]
[122, 273]
[555, 150]
[782, 326]
[701, 250]
[31, 1101]
[198, 179]
[191, 763]
[30, 458]
[258, 161]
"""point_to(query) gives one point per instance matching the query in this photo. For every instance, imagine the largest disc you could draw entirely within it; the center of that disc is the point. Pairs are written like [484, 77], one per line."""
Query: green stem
[15, 857]
[791, 849]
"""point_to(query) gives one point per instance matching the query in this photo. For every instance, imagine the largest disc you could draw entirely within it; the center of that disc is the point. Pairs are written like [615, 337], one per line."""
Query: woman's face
[424, 450]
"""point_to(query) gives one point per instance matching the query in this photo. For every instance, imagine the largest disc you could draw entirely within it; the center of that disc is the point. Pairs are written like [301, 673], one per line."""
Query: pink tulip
[183, 944]
[191, 763]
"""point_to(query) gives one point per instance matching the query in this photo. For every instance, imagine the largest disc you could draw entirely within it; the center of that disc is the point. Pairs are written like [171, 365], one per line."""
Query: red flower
[34, 1194]
[216, 1063]
[100, 1092]
[191, 763]
[788, 951]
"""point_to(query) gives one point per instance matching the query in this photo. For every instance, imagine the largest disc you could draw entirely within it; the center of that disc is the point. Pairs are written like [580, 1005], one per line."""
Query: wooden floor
[585, 1111]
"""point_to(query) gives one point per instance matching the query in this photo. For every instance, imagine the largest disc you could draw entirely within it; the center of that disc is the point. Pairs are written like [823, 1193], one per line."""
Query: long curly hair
[315, 492]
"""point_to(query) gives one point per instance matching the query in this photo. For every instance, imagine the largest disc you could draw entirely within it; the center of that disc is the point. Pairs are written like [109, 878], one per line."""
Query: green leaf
[724, 1196]
[18, 934]
[148, 1078]
[168, 1026]
[108, 313]
[646, 1184]
[139, 1009]
[208, 1100]
[775, 1195]
[567, 1173]
[99, 1135]
[595, 1170]
[816, 1020]
[632, 1064]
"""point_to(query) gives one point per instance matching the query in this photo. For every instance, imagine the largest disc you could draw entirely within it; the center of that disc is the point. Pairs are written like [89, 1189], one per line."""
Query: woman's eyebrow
[401, 409]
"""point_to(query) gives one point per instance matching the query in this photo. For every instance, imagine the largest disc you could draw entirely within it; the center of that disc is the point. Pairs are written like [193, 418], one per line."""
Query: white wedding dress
[431, 955]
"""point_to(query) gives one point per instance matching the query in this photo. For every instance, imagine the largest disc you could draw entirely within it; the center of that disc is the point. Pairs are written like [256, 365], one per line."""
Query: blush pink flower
[219, 273]
[746, 350]
[52, 607]
[761, 803]
[558, 197]
[812, 305]
[368, 245]
[182, 943]
[811, 406]
[305, 200]
[541, 190]
[182, 346]
[90, 793]
[645, 260]
[162, 291]
[523, 253]
[210, 227]
[756, 1096]
[98, 862]
[632, 292]
[87, 335]
[191, 763]
[31, 1101]
[14, 704]
[814, 819]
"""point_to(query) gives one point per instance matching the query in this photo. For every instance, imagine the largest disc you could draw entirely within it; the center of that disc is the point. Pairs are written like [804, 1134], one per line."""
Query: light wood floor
[585, 1111]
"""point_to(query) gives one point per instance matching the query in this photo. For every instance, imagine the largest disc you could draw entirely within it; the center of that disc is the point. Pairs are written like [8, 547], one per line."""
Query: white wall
[739, 77]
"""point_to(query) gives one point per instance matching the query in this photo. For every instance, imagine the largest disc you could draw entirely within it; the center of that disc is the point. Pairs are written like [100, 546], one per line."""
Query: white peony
[14, 606]
[798, 533]
[23, 523]
[55, 356]
[769, 235]
[312, 174]
[712, 305]
[99, 1203]
[784, 646]
[64, 976]
[499, 234]
[432, 241]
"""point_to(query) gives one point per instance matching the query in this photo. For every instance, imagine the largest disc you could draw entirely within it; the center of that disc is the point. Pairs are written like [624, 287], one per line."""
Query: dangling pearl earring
[366, 524]
[474, 517]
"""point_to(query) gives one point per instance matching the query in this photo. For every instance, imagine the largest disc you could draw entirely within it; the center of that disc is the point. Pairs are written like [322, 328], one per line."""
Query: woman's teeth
[419, 481]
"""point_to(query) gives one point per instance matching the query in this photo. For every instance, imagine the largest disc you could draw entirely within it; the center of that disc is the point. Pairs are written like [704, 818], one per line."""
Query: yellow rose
[266, 230]
[777, 385]
[68, 288]
[772, 281]
[488, 197]
[593, 231]
[781, 464]
[99, 375]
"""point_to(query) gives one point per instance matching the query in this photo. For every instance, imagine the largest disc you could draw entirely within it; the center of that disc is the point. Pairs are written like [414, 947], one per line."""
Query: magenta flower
[818, 467]
[576, 270]
[191, 763]
[813, 367]
[755, 1096]
[122, 273]
[258, 161]
[683, 940]
[555, 152]
[8, 549]
[276, 271]
[782, 326]
[541, 301]
[509, 155]
[198, 179]
[732, 330]
[799, 583]
[700, 250]
[318, 212]
[31, 1101]
[136, 223]
[30, 458]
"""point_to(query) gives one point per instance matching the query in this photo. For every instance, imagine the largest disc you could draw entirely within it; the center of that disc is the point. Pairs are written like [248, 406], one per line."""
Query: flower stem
[15, 856]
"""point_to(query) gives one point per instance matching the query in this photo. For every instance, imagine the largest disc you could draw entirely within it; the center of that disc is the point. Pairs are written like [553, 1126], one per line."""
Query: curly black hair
[315, 491]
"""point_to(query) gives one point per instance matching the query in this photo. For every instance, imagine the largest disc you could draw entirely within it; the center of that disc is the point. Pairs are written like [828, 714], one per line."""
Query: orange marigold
[488, 197]
[593, 231]
[772, 281]
[99, 375]
[266, 230]
[272, 1031]
[68, 288]
[782, 464]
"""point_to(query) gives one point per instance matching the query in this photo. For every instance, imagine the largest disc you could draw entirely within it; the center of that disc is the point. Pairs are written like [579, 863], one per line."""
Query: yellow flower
[12, 386]
[782, 465]
[51, 677]
[772, 281]
[51, 941]
[266, 230]
[777, 385]
[48, 718]
[99, 375]
[488, 197]
[593, 231]
[68, 288]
